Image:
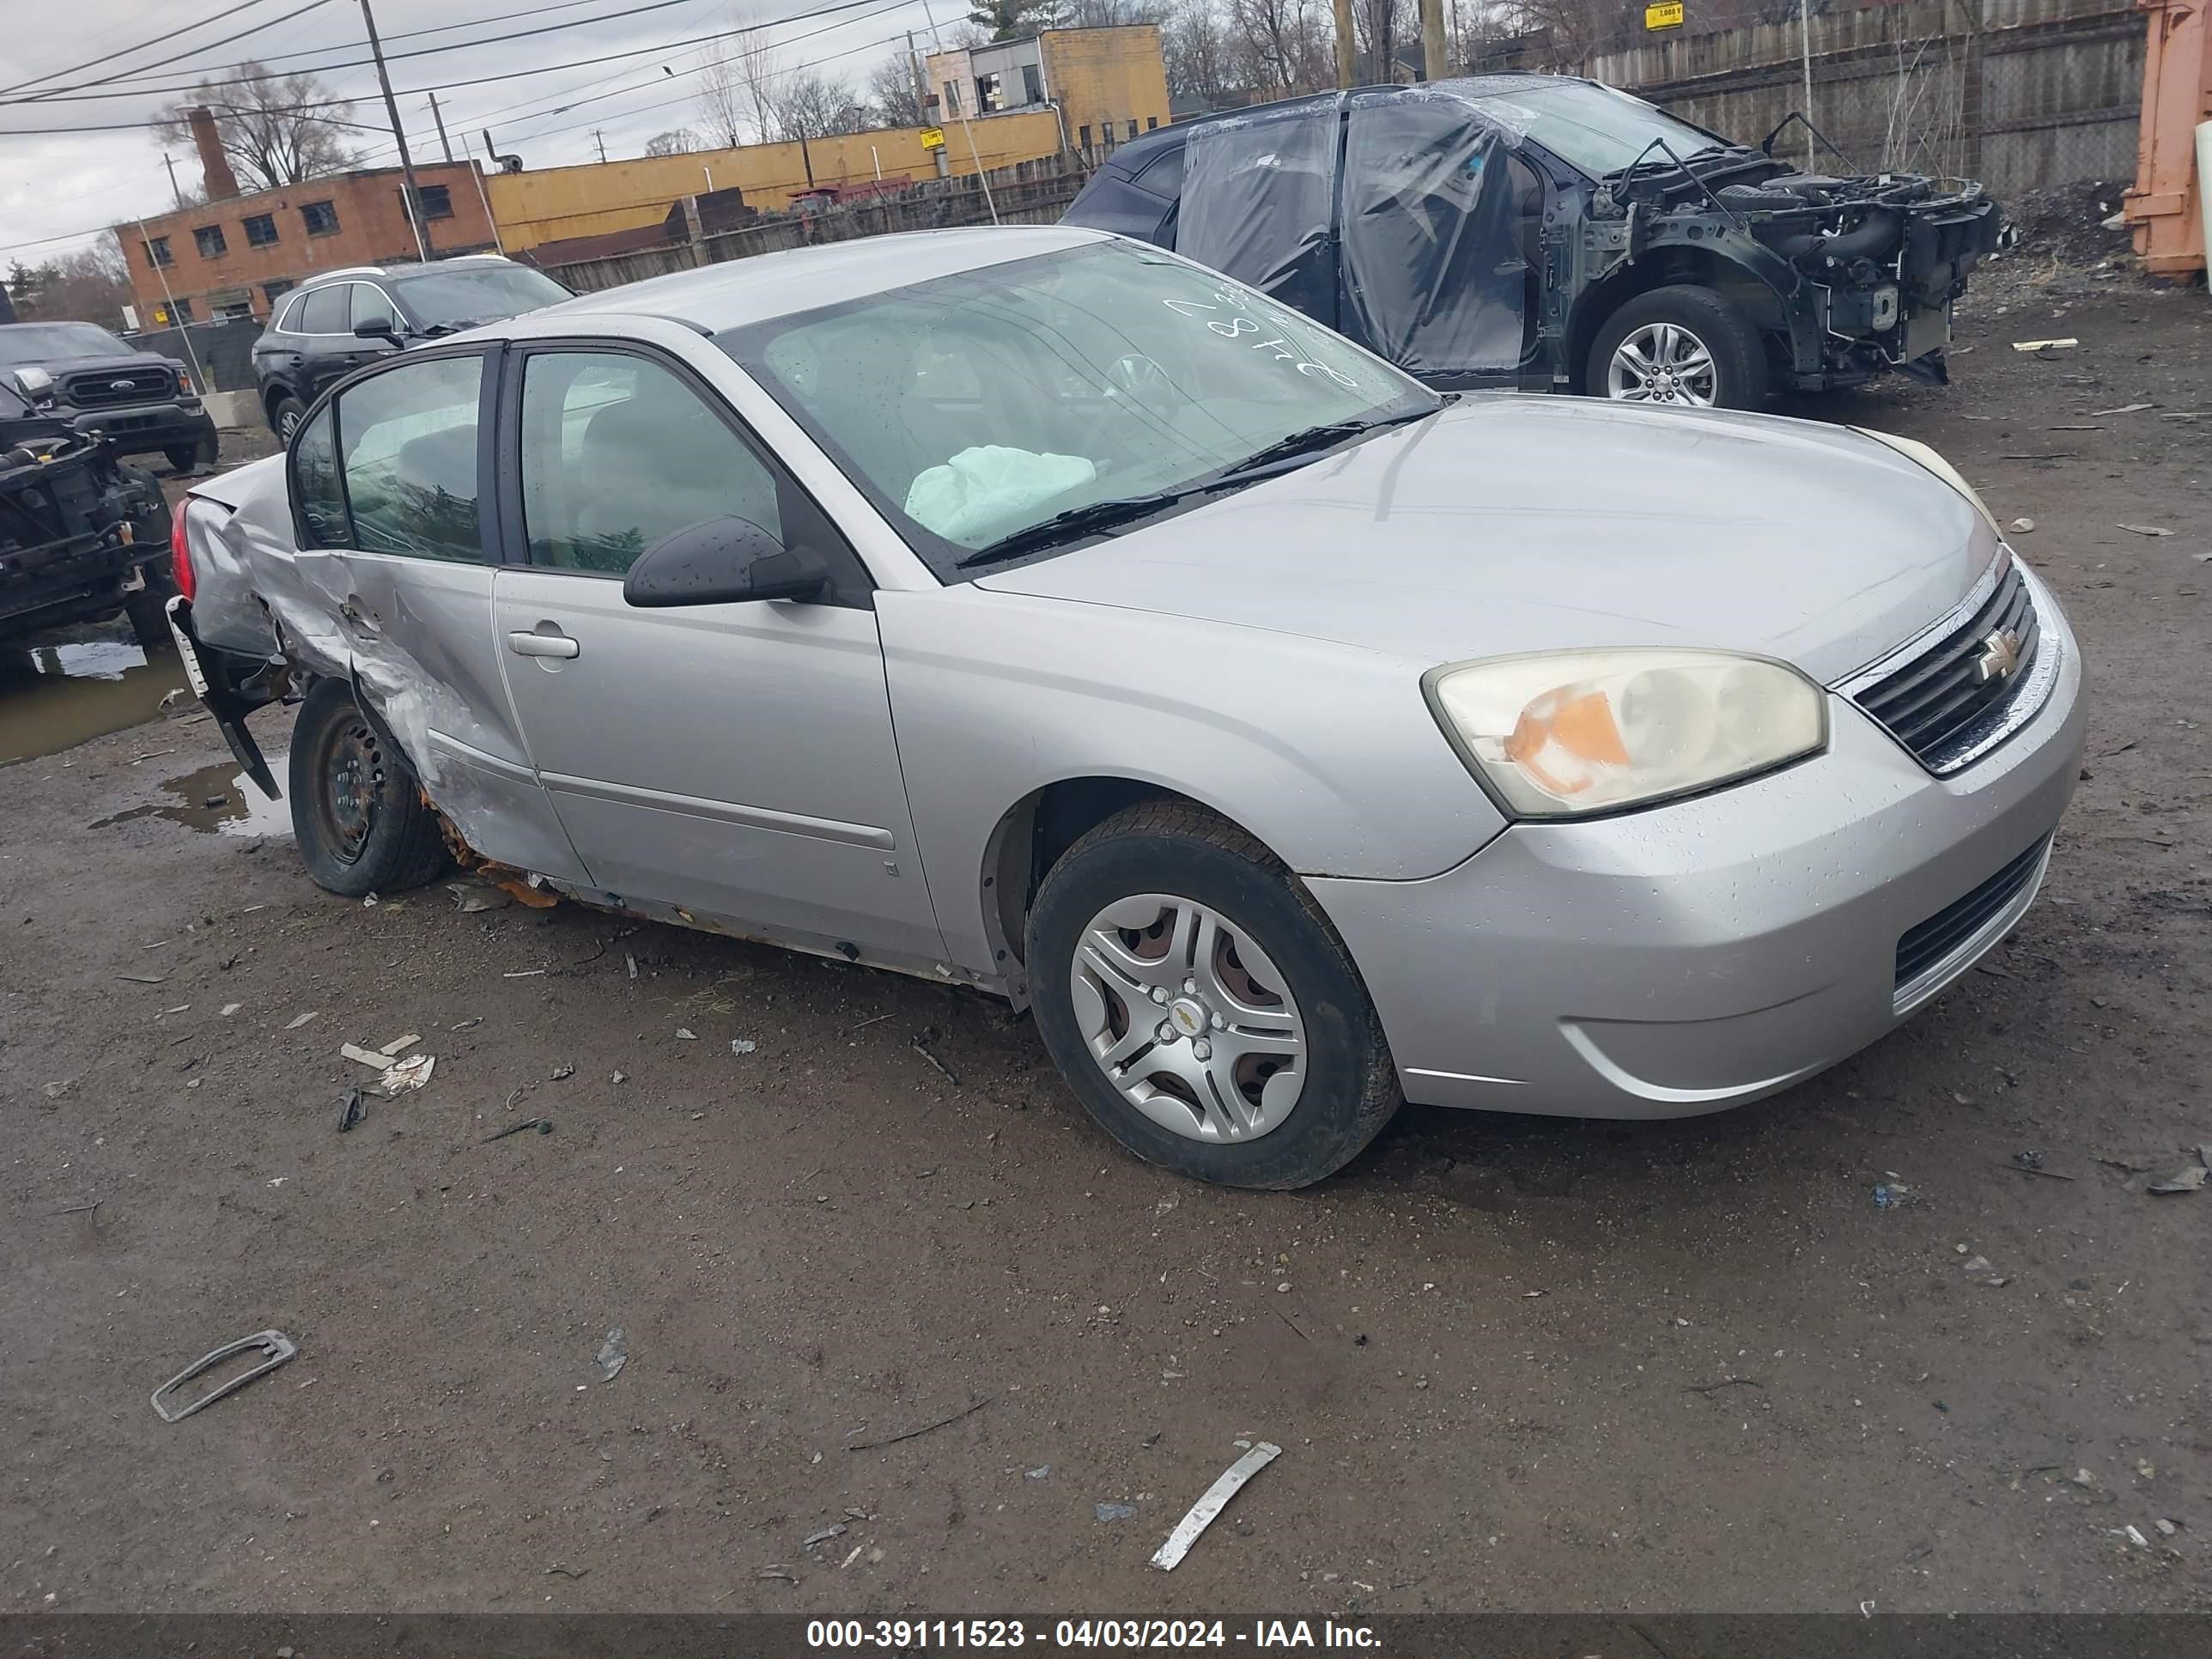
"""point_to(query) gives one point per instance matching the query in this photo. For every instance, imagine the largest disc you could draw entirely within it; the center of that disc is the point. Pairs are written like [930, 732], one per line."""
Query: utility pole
[399, 133]
[444, 142]
[1435, 57]
[175, 189]
[599, 137]
[1347, 44]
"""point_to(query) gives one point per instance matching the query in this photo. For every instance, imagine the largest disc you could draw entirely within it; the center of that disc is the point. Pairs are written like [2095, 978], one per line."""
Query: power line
[472, 81]
[77, 97]
[187, 29]
[62, 94]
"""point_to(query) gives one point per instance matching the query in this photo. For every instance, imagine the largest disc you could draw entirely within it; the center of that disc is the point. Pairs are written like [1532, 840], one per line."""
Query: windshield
[44, 342]
[1591, 127]
[442, 299]
[972, 407]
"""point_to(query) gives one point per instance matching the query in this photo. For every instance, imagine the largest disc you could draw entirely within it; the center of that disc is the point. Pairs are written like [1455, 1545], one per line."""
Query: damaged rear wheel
[1683, 345]
[357, 812]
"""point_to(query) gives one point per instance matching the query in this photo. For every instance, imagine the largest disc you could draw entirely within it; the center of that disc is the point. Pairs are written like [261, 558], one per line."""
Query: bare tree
[275, 132]
[737, 89]
[674, 141]
[1283, 46]
[89, 286]
[810, 105]
[1201, 58]
[1384, 28]
[1109, 14]
[891, 91]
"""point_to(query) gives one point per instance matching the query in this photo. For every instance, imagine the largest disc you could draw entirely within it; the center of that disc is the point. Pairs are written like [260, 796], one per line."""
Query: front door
[733, 760]
[394, 541]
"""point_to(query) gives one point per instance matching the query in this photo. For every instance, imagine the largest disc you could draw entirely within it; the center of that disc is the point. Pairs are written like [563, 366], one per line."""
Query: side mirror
[36, 385]
[377, 328]
[721, 561]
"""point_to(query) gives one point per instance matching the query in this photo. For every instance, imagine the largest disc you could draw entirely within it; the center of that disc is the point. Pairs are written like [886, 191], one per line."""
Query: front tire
[357, 812]
[147, 610]
[285, 412]
[1681, 345]
[1201, 1007]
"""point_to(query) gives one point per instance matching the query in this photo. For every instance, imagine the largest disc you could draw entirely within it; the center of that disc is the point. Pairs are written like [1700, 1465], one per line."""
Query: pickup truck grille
[106, 388]
[1935, 698]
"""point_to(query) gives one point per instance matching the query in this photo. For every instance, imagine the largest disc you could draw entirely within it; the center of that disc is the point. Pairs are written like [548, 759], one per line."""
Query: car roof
[408, 268]
[738, 292]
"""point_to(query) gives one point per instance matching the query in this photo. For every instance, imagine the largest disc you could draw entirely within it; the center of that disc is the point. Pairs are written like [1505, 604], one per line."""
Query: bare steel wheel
[1662, 363]
[1199, 1004]
[357, 811]
[1187, 1017]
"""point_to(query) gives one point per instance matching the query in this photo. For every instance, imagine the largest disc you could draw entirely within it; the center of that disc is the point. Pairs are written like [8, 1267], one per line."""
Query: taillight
[180, 557]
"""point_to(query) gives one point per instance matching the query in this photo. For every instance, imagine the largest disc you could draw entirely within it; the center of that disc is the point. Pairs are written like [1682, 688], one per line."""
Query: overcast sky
[58, 189]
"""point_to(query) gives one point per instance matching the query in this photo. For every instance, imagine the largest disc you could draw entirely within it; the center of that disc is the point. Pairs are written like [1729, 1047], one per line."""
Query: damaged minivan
[1039, 613]
[1554, 234]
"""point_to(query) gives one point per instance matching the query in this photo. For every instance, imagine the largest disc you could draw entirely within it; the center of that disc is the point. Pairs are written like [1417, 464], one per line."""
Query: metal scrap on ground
[1215, 1498]
[276, 1348]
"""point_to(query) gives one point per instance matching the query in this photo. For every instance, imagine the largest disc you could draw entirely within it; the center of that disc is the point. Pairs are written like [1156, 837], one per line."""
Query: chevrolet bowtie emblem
[1999, 657]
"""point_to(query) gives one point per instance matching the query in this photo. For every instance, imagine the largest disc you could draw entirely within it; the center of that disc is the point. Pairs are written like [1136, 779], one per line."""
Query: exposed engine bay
[1872, 262]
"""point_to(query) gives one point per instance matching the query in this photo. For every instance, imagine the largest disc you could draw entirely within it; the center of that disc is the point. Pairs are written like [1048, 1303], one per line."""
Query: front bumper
[1698, 956]
[150, 429]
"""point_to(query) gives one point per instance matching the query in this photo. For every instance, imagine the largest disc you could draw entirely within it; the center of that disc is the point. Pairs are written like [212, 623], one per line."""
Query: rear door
[396, 535]
[733, 760]
[326, 340]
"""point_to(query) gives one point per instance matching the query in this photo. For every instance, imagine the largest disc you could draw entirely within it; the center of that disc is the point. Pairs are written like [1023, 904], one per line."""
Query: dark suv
[343, 319]
[81, 536]
[142, 403]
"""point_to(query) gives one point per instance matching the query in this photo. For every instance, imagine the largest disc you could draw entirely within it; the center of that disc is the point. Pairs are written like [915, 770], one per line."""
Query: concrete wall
[372, 229]
[555, 203]
[2016, 93]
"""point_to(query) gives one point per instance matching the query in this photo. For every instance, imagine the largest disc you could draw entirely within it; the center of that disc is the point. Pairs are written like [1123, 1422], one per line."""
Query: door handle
[542, 645]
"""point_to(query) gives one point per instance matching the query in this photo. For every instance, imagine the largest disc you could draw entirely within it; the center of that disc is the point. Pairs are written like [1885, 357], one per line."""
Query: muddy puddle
[215, 799]
[54, 696]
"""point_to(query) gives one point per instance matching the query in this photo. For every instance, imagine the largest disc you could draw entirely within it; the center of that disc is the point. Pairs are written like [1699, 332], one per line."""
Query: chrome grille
[104, 389]
[1944, 690]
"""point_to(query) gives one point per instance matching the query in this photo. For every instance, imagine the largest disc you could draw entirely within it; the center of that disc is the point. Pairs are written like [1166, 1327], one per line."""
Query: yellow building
[555, 204]
[1105, 85]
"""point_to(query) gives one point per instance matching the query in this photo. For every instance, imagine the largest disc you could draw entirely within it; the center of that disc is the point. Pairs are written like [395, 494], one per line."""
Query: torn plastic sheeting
[987, 489]
[1430, 207]
[1258, 198]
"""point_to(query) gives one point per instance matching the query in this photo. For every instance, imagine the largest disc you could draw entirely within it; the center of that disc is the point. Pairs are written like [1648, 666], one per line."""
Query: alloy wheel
[1662, 363]
[1188, 1019]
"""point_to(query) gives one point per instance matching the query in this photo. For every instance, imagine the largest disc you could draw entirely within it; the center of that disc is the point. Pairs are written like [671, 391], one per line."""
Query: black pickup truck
[82, 535]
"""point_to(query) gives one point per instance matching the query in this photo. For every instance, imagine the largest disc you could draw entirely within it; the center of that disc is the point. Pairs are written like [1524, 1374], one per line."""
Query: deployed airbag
[986, 491]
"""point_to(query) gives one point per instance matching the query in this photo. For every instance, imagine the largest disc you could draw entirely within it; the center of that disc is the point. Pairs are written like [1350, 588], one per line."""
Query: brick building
[232, 257]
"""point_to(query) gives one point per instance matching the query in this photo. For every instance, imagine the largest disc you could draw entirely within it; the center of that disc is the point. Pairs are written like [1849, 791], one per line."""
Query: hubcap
[1188, 1019]
[1662, 363]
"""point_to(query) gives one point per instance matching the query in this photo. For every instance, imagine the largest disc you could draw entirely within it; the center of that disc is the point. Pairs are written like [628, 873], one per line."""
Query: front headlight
[1567, 733]
[1913, 450]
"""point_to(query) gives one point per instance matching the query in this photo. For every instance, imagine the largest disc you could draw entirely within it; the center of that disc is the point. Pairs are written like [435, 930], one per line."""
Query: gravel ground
[1511, 1362]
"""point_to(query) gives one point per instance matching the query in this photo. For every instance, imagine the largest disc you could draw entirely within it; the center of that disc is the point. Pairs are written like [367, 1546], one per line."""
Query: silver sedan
[1041, 612]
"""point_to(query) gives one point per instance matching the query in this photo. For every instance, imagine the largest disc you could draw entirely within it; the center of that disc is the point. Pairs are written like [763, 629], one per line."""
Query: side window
[322, 312]
[407, 447]
[1163, 174]
[315, 485]
[370, 306]
[617, 453]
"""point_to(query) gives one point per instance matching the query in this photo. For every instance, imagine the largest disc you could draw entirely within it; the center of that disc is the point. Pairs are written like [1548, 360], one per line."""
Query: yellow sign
[1664, 15]
[933, 137]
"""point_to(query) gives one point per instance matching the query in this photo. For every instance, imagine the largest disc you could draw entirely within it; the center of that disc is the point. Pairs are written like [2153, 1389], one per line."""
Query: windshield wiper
[1063, 527]
[1306, 442]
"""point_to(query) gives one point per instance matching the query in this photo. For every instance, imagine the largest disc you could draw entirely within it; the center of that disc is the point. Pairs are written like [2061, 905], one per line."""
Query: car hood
[111, 363]
[1509, 523]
